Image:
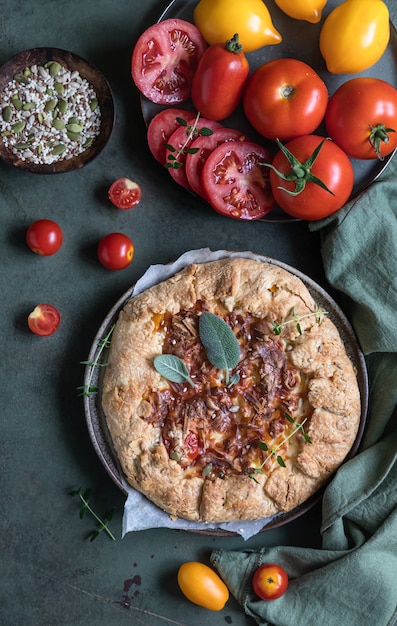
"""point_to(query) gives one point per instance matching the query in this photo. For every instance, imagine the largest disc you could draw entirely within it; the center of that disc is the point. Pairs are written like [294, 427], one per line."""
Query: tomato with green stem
[115, 251]
[44, 237]
[44, 320]
[124, 193]
[270, 581]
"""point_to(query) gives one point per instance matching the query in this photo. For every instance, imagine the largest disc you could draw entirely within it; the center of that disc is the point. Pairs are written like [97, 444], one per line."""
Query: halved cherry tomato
[180, 141]
[234, 183]
[202, 586]
[164, 60]
[270, 581]
[124, 193]
[192, 444]
[204, 146]
[44, 320]
[219, 80]
[361, 118]
[332, 166]
[285, 98]
[160, 129]
[44, 237]
[116, 251]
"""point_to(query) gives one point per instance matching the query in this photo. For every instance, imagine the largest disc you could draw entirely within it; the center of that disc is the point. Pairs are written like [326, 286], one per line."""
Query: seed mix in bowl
[49, 113]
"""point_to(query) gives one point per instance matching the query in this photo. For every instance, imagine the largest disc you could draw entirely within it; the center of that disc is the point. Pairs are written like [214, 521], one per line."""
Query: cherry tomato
[219, 80]
[270, 581]
[362, 118]
[164, 60]
[332, 166]
[202, 586]
[181, 140]
[44, 320]
[115, 251]
[234, 183]
[44, 237]
[285, 98]
[160, 129]
[124, 193]
[192, 444]
[204, 146]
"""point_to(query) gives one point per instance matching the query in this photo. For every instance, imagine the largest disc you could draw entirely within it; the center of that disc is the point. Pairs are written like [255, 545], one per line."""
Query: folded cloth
[352, 579]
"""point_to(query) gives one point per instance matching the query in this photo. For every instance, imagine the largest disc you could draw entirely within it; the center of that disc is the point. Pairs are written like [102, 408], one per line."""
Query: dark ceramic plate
[300, 41]
[96, 420]
[72, 62]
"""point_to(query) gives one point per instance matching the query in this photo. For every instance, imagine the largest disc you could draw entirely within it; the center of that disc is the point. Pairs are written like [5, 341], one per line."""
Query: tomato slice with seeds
[205, 145]
[234, 182]
[180, 141]
[160, 129]
[164, 60]
[192, 444]
[44, 320]
[124, 193]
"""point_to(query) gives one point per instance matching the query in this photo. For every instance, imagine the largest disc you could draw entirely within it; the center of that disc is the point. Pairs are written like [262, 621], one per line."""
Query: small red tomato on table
[44, 320]
[44, 237]
[124, 193]
[270, 581]
[115, 251]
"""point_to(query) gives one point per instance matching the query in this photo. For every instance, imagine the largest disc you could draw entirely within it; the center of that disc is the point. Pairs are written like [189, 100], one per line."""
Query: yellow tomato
[355, 35]
[202, 586]
[219, 20]
[309, 10]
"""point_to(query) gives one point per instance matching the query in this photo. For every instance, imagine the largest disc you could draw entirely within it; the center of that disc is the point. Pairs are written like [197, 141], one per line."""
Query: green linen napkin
[352, 579]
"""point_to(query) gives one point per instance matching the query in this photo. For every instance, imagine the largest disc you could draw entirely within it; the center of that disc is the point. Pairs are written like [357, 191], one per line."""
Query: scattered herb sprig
[103, 525]
[296, 319]
[88, 389]
[191, 133]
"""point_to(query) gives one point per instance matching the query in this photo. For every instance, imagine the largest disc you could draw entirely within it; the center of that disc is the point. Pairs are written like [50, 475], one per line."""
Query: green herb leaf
[222, 347]
[102, 525]
[172, 368]
[280, 461]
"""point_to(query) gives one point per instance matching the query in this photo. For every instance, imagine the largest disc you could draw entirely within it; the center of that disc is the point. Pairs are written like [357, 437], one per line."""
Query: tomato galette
[228, 392]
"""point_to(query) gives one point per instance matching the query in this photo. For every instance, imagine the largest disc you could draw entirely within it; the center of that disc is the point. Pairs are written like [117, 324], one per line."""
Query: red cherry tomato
[270, 581]
[44, 320]
[164, 60]
[234, 183]
[285, 98]
[124, 193]
[332, 166]
[361, 118]
[115, 251]
[160, 129]
[192, 444]
[44, 237]
[219, 80]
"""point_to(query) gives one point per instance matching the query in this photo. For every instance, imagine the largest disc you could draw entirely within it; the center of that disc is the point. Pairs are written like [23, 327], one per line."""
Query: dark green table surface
[50, 573]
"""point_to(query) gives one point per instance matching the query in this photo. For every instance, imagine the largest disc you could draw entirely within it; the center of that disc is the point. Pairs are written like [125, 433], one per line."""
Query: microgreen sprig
[88, 389]
[191, 133]
[296, 319]
[102, 524]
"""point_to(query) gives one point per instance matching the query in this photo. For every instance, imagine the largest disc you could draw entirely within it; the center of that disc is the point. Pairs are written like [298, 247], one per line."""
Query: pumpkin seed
[40, 117]
[88, 142]
[18, 127]
[93, 104]
[54, 67]
[62, 105]
[6, 133]
[28, 106]
[50, 104]
[58, 149]
[21, 78]
[22, 146]
[27, 71]
[7, 113]
[58, 124]
[74, 128]
[73, 136]
[59, 88]
[16, 102]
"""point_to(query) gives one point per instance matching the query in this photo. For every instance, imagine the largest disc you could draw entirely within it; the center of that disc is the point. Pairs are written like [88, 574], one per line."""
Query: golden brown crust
[329, 394]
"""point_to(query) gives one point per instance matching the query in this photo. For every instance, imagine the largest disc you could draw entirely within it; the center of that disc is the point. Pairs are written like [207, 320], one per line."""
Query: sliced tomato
[44, 320]
[160, 129]
[235, 184]
[124, 193]
[164, 60]
[204, 146]
[192, 445]
[180, 141]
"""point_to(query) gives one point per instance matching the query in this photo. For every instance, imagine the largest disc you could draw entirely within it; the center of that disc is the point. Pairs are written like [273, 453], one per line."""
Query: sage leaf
[222, 347]
[172, 368]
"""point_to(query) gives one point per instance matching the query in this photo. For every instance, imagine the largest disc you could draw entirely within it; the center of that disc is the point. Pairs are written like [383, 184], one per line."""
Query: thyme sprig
[192, 132]
[296, 319]
[103, 525]
[274, 452]
[89, 389]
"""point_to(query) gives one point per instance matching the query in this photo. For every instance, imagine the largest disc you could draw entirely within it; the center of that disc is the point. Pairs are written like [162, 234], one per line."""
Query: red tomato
[219, 80]
[270, 581]
[204, 146]
[362, 118]
[234, 183]
[164, 60]
[160, 129]
[124, 193]
[44, 237]
[285, 98]
[332, 166]
[180, 141]
[192, 444]
[44, 320]
[115, 251]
